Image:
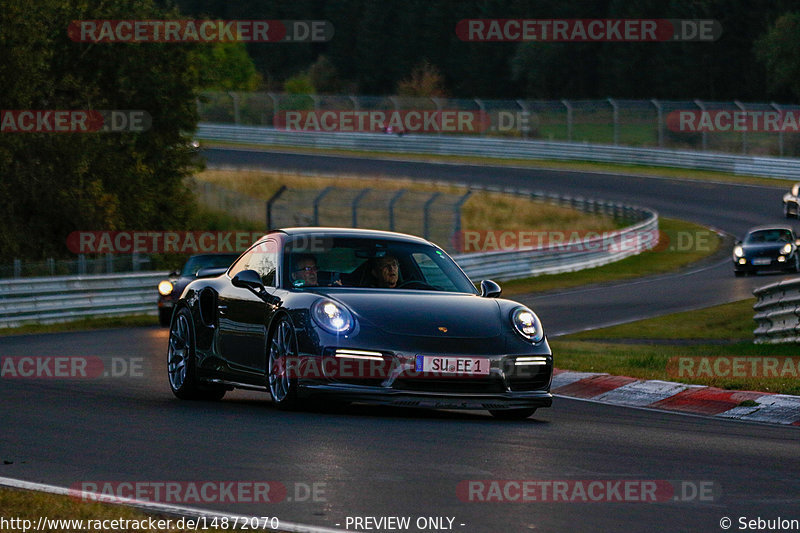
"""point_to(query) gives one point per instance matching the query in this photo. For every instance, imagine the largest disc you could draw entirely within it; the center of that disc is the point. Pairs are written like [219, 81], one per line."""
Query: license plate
[762, 261]
[470, 366]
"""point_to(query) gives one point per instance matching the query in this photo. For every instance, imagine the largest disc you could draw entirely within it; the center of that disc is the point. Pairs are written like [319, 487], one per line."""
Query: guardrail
[569, 257]
[777, 313]
[63, 298]
[769, 167]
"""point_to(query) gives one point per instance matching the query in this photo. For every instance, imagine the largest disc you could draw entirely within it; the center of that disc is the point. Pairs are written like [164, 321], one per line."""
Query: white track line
[156, 507]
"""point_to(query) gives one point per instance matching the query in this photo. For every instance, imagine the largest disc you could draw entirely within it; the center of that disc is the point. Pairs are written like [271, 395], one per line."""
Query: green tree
[779, 51]
[426, 80]
[54, 183]
[225, 67]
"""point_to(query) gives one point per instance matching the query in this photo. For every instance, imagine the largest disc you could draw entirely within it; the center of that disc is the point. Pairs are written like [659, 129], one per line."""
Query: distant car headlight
[332, 317]
[787, 249]
[527, 324]
[738, 251]
[165, 288]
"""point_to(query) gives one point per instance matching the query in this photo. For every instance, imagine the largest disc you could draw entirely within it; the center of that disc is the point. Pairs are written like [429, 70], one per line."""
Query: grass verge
[643, 349]
[482, 211]
[580, 166]
[132, 321]
[31, 506]
[681, 244]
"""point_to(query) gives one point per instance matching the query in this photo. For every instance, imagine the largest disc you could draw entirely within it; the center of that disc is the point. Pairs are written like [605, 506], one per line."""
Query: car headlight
[787, 249]
[165, 288]
[738, 251]
[332, 317]
[527, 324]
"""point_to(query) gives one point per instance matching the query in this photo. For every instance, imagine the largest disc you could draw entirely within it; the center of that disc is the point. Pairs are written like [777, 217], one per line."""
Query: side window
[263, 258]
[432, 273]
[242, 263]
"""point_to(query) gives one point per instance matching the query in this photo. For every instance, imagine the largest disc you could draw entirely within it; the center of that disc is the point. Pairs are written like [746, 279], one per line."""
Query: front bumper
[752, 264]
[429, 400]
[511, 383]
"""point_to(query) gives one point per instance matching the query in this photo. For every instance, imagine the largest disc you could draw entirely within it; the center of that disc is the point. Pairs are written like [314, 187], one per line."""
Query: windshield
[769, 235]
[375, 263]
[197, 262]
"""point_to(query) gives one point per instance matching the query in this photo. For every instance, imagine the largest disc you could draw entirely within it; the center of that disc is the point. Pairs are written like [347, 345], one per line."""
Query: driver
[386, 271]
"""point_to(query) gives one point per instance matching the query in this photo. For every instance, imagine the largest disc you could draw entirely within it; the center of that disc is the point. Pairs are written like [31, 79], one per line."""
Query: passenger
[304, 273]
[386, 272]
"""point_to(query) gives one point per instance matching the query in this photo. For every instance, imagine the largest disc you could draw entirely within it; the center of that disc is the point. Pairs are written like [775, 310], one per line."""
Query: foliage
[425, 80]
[54, 183]
[377, 43]
[225, 67]
[779, 50]
[299, 84]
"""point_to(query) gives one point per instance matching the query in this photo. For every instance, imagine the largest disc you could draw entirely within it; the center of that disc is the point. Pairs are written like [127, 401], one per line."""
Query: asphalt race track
[377, 462]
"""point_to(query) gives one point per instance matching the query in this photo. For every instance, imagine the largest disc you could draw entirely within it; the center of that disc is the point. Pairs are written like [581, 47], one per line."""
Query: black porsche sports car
[767, 248]
[357, 315]
[200, 265]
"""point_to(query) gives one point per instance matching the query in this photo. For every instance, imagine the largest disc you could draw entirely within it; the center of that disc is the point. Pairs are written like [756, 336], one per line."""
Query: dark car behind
[169, 290]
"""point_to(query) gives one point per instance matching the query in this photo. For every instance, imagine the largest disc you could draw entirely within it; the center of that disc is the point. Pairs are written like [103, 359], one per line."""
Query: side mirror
[737, 243]
[248, 279]
[251, 280]
[490, 289]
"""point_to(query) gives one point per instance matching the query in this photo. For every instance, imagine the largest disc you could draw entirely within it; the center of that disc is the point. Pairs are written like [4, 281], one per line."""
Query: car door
[243, 315]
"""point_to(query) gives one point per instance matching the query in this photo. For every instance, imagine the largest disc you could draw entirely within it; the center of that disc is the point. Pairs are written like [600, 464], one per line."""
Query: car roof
[763, 228]
[349, 232]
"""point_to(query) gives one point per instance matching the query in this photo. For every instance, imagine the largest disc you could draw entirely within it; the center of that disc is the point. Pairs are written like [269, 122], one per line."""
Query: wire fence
[435, 216]
[735, 127]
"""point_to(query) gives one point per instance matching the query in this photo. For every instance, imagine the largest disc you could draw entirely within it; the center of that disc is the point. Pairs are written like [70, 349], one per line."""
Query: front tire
[512, 414]
[181, 362]
[282, 351]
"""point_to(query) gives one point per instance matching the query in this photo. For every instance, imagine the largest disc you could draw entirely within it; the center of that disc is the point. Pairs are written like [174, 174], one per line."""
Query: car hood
[423, 313]
[763, 247]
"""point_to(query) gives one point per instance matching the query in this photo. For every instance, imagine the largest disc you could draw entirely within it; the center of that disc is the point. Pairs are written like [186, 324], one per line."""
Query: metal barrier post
[777, 108]
[569, 119]
[317, 201]
[354, 205]
[660, 112]
[393, 201]
[426, 221]
[271, 201]
[704, 133]
[457, 217]
[616, 120]
[744, 130]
